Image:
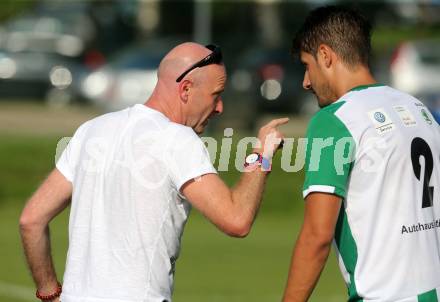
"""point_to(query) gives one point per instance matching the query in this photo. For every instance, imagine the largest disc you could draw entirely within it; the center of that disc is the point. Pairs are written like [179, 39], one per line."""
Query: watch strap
[262, 161]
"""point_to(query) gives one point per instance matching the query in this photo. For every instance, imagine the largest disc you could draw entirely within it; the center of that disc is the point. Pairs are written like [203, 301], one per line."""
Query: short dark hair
[345, 30]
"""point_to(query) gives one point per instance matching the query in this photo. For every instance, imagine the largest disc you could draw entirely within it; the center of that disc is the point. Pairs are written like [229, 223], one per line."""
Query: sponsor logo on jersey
[405, 116]
[381, 120]
[418, 227]
[426, 116]
[379, 117]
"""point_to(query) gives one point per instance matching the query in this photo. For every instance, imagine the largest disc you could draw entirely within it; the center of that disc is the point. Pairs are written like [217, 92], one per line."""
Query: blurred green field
[212, 267]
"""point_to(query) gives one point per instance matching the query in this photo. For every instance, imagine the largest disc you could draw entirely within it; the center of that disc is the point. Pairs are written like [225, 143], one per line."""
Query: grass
[212, 267]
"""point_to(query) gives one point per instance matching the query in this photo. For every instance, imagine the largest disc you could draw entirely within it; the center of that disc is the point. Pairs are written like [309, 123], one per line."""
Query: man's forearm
[248, 193]
[308, 260]
[234, 210]
[36, 244]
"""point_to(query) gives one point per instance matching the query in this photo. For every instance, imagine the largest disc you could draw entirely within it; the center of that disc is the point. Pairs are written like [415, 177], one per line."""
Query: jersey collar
[362, 87]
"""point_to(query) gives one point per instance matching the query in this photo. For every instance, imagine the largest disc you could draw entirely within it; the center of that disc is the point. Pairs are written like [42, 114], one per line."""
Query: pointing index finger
[279, 121]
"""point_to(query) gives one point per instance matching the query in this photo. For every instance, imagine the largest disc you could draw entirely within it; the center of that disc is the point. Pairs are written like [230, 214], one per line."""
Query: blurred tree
[176, 17]
[10, 8]
[115, 22]
[148, 17]
[269, 23]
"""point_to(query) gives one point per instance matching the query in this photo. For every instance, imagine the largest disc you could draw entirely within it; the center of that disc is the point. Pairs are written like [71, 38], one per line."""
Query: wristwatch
[255, 160]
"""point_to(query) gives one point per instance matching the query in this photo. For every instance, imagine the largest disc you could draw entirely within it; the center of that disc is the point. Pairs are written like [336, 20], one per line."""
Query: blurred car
[271, 78]
[415, 68]
[43, 53]
[46, 76]
[129, 77]
[58, 27]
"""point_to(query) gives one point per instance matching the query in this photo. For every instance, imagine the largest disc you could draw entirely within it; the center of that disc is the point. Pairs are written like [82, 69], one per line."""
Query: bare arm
[49, 200]
[233, 210]
[312, 246]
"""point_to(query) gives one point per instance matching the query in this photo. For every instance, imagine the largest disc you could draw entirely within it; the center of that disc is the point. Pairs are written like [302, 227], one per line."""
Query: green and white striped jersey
[379, 149]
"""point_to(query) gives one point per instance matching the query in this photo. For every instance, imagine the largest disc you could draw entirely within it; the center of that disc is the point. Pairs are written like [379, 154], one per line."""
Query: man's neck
[350, 79]
[161, 104]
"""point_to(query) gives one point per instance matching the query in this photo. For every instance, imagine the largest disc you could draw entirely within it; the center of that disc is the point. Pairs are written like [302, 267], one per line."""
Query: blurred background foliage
[104, 53]
[10, 8]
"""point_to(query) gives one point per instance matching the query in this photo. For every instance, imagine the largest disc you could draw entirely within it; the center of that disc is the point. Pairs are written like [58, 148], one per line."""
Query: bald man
[131, 177]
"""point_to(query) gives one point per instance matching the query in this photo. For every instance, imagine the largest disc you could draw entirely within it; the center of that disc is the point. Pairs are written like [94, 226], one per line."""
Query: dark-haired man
[372, 172]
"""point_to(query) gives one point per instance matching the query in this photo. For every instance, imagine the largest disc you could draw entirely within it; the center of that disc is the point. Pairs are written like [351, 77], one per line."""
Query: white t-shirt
[127, 214]
[388, 232]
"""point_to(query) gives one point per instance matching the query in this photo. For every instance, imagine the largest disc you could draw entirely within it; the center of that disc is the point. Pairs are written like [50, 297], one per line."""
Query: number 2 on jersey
[419, 147]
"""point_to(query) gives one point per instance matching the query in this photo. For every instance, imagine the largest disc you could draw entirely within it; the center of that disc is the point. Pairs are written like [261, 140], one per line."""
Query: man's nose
[307, 85]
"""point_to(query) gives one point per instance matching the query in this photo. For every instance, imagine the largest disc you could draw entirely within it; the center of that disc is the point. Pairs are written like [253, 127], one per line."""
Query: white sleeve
[68, 161]
[189, 158]
[63, 164]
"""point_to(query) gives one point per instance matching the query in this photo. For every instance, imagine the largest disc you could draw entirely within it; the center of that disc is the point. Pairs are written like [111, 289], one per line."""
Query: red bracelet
[56, 294]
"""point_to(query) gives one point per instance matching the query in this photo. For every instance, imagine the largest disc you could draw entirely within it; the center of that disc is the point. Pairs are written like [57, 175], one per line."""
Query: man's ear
[325, 55]
[184, 90]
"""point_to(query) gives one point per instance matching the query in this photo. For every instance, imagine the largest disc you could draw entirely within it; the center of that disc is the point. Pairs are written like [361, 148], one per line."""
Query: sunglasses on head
[215, 57]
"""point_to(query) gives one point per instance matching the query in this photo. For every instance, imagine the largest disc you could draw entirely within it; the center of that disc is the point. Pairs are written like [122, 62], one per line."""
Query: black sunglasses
[215, 57]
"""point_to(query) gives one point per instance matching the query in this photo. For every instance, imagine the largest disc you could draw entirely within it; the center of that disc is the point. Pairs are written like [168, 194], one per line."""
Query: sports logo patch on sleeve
[425, 113]
[405, 116]
[381, 120]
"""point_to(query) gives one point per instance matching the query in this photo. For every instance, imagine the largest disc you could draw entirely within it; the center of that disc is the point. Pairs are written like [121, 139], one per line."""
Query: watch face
[252, 158]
